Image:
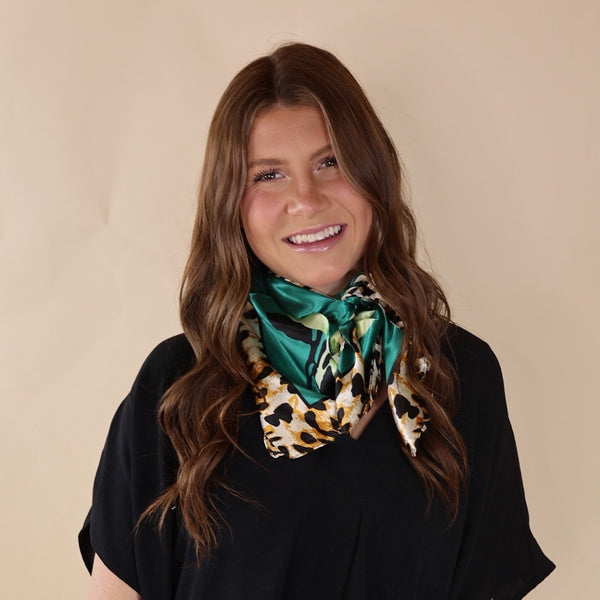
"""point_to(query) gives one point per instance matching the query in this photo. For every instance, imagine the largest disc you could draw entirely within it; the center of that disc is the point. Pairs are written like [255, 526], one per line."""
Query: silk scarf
[317, 362]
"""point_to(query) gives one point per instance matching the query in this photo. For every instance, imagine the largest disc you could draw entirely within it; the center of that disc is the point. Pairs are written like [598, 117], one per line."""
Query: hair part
[201, 410]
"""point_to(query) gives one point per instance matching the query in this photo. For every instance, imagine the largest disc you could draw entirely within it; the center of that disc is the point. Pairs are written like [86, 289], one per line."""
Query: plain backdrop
[104, 110]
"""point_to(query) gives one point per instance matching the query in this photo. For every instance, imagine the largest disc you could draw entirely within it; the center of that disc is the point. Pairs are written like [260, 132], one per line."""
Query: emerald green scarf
[317, 361]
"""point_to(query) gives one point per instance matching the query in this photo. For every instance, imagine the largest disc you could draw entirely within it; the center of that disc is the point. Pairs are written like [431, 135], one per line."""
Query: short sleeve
[136, 466]
[499, 556]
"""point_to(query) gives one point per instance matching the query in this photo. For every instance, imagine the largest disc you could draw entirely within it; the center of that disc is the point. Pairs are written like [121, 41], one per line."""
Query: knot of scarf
[317, 362]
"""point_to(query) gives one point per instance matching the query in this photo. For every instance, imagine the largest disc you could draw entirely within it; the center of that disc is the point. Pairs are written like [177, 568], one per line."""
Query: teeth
[308, 238]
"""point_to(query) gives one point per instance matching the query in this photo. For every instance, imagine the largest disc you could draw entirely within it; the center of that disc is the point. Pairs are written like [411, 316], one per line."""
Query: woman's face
[301, 217]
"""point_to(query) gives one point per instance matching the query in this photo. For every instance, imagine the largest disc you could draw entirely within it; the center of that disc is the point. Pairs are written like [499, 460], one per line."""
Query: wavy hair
[200, 412]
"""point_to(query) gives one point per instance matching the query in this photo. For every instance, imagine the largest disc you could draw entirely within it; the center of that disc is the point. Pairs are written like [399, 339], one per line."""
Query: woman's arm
[107, 586]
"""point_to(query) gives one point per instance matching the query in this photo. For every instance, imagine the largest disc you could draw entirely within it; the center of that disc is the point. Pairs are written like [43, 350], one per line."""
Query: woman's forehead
[282, 130]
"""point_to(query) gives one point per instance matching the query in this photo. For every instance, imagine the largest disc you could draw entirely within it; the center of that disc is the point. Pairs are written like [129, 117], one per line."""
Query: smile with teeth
[317, 236]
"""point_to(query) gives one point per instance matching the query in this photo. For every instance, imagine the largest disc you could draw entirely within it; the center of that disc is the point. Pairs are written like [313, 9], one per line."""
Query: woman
[322, 429]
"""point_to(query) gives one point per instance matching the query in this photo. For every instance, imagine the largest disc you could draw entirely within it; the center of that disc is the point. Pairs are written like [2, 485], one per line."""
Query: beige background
[103, 112]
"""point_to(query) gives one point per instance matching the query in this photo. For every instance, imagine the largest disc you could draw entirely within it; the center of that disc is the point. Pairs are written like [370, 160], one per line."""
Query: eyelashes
[266, 175]
[272, 174]
[329, 161]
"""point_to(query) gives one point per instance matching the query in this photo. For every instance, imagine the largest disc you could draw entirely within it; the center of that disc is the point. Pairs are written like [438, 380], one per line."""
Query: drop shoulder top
[344, 522]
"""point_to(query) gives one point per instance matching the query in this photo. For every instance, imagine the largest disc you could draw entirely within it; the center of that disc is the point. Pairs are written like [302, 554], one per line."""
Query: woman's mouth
[315, 236]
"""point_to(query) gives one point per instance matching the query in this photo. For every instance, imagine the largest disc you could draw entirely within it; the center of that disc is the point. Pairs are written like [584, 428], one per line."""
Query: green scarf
[316, 361]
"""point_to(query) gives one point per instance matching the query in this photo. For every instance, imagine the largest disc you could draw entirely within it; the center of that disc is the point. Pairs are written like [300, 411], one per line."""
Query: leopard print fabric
[292, 427]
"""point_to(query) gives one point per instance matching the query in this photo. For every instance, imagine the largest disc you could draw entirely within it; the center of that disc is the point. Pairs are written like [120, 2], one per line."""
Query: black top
[343, 522]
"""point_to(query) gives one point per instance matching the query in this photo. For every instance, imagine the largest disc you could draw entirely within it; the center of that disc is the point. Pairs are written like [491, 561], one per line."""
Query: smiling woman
[301, 216]
[321, 429]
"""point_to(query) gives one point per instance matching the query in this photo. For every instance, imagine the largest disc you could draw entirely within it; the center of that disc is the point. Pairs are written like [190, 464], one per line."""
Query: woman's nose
[306, 199]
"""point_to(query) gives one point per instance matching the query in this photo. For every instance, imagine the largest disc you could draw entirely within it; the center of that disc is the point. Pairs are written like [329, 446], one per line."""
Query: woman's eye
[329, 161]
[269, 175]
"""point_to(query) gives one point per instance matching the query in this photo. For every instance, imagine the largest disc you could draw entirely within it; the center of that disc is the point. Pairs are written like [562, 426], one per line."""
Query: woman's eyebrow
[275, 162]
[268, 162]
[320, 151]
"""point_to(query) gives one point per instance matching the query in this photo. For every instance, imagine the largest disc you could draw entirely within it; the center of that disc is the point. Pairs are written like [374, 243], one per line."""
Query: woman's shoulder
[482, 408]
[171, 356]
[495, 511]
[166, 363]
[470, 354]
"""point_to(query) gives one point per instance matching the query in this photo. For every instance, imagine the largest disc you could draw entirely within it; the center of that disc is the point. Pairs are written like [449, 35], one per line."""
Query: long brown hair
[200, 412]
